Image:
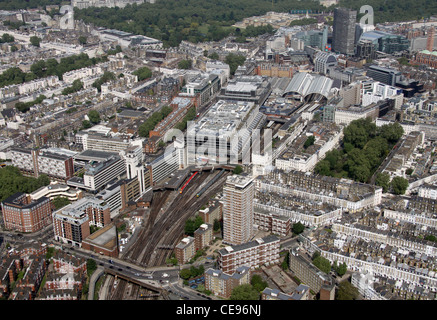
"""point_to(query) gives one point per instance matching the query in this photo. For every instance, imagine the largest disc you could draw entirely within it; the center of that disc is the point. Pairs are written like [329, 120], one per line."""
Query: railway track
[166, 228]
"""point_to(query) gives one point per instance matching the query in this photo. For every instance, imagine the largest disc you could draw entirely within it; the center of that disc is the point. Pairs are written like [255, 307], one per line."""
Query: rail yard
[165, 226]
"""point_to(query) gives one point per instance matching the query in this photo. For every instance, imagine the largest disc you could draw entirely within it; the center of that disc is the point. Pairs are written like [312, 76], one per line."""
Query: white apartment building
[306, 162]
[83, 73]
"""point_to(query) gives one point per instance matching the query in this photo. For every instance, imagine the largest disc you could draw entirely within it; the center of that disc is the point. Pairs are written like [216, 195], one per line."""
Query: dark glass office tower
[343, 36]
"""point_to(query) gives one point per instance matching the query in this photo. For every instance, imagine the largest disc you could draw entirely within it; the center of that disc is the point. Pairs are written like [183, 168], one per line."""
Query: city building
[36, 162]
[185, 250]
[71, 224]
[221, 284]
[343, 36]
[21, 213]
[253, 254]
[323, 61]
[223, 134]
[203, 236]
[238, 193]
[54, 190]
[386, 42]
[203, 87]
[246, 88]
[306, 272]
[98, 174]
[384, 75]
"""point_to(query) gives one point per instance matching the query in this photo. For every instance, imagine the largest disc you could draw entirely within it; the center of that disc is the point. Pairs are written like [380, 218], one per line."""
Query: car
[120, 269]
[111, 267]
[165, 275]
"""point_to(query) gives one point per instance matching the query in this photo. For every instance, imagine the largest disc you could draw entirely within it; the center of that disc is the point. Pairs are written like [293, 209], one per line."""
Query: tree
[35, 41]
[237, 170]
[214, 56]
[399, 185]
[234, 60]
[340, 269]
[185, 274]
[94, 116]
[383, 180]
[82, 40]
[346, 291]
[60, 202]
[91, 266]
[309, 142]
[143, 73]
[245, 292]
[86, 124]
[298, 228]
[185, 64]
[258, 283]
[322, 264]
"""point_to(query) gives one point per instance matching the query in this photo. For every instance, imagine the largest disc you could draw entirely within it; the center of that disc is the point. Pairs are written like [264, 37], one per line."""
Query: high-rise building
[238, 194]
[343, 36]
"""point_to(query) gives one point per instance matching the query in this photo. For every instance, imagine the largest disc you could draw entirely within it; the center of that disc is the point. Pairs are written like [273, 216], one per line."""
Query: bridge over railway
[156, 291]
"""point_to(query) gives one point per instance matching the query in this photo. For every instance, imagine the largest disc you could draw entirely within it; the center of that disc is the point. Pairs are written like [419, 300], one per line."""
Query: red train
[188, 181]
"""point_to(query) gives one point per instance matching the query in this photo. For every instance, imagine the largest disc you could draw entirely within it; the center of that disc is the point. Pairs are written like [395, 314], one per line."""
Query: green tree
[214, 56]
[245, 292]
[94, 116]
[185, 273]
[258, 283]
[383, 180]
[91, 266]
[298, 228]
[60, 202]
[322, 264]
[346, 291]
[185, 64]
[86, 124]
[237, 170]
[340, 269]
[143, 73]
[35, 41]
[309, 142]
[399, 185]
[234, 60]
[82, 40]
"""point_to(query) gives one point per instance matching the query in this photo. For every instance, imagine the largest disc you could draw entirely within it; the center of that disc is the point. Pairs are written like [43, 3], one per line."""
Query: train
[186, 183]
[210, 183]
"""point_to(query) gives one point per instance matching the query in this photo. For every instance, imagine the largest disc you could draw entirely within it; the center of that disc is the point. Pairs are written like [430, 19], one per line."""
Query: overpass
[142, 283]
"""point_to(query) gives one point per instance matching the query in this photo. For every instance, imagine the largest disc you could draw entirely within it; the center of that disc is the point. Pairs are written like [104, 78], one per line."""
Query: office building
[385, 75]
[323, 61]
[223, 134]
[343, 36]
[386, 42]
[238, 193]
[98, 174]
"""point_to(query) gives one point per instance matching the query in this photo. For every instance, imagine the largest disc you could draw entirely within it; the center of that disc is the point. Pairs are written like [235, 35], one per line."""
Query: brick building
[22, 214]
[253, 254]
[221, 284]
